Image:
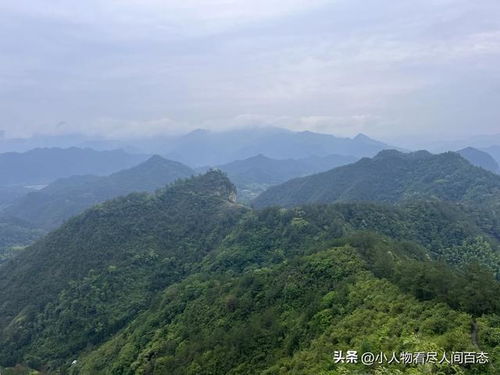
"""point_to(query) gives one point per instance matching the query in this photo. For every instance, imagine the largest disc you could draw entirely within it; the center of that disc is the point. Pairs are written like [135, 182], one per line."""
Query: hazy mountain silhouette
[44, 165]
[50, 206]
[203, 147]
[480, 159]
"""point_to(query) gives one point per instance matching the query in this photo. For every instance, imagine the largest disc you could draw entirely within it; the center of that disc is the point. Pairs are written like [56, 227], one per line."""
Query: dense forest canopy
[392, 176]
[187, 281]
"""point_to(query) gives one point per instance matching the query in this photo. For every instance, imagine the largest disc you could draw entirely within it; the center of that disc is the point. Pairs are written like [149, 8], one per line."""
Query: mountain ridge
[204, 147]
[390, 176]
[44, 165]
[253, 175]
[480, 159]
[186, 279]
[50, 206]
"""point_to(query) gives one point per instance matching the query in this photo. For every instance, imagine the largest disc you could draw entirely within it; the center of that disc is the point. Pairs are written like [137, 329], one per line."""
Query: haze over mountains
[255, 174]
[50, 206]
[234, 187]
[204, 147]
[42, 166]
[480, 159]
[262, 169]
[24, 173]
[494, 151]
[150, 270]
[391, 176]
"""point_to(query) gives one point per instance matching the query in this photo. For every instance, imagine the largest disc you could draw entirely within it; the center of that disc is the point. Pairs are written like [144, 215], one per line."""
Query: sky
[137, 68]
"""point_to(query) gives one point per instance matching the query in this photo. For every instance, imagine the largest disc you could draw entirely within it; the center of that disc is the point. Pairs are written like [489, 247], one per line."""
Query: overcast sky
[123, 68]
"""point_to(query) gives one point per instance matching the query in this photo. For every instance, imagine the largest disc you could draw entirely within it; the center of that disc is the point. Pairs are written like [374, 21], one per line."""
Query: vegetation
[9, 194]
[186, 281]
[64, 198]
[14, 236]
[392, 177]
[254, 175]
[480, 159]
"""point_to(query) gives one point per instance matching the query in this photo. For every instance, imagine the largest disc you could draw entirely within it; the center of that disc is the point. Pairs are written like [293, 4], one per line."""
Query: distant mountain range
[480, 159]
[50, 206]
[264, 170]
[44, 165]
[391, 176]
[255, 174]
[203, 147]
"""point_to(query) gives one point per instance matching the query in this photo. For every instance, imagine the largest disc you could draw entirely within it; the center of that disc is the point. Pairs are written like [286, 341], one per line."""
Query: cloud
[110, 66]
[129, 19]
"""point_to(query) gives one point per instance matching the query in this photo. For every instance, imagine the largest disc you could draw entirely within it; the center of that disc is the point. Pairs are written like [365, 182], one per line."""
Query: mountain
[9, 194]
[44, 165]
[50, 206]
[494, 151]
[147, 239]
[391, 176]
[263, 170]
[480, 159]
[203, 147]
[16, 235]
[186, 281]
[482, 142]
[253, 175]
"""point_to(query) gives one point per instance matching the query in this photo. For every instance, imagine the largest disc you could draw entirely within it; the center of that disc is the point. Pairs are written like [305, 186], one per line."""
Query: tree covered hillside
[263, 170]
[392, 177]
[15, 235]
[253, 175]
[50, 206]
[186, 281]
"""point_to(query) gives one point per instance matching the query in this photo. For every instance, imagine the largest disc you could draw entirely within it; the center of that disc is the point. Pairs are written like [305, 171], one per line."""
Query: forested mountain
[9, 194]
[263, 170]
[50, 206]
[186, 281]
[15, 235]
[203, 147]
[253, 175]
[494, 151]
[480, 159]
[44, 165]
[391, 177]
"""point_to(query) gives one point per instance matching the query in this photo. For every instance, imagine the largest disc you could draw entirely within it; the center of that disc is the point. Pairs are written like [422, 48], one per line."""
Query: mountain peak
[213, 183]
[259, 157]
[421, 154]
[156, 159]
[362, 137]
